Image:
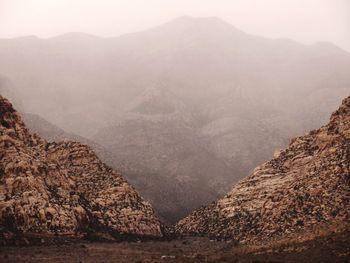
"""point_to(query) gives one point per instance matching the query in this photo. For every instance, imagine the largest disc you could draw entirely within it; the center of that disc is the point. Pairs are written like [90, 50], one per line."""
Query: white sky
[306, 21]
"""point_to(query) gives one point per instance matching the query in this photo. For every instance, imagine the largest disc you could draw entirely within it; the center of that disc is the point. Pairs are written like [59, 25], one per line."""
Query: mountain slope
[221, 95]
[305, 185]
[160, 151]
[62, 188]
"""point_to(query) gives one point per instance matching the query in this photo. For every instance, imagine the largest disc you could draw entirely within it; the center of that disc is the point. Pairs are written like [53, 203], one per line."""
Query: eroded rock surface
[305, 185]
[62, 188]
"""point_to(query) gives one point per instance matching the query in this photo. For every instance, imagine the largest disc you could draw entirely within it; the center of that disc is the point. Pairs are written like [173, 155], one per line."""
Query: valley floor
[334, 248]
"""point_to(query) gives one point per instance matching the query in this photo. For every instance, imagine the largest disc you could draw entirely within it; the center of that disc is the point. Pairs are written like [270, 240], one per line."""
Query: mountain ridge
[178, 20]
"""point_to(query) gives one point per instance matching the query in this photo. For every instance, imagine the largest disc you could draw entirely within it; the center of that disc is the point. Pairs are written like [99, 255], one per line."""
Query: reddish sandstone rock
[305, 186]
[62, 188]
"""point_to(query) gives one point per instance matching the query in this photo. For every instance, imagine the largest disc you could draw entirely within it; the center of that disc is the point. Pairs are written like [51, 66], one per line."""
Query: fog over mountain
[185, 109]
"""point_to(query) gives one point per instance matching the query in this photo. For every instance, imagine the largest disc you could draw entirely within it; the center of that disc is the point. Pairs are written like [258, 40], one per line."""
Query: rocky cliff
[305, 186]
[62, 188]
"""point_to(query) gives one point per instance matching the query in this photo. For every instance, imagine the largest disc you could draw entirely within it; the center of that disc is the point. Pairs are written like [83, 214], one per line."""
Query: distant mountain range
[184, 109]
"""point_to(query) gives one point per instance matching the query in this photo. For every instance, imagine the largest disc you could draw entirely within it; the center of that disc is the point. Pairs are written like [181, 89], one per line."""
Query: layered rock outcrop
[304, 186]
[62, 188]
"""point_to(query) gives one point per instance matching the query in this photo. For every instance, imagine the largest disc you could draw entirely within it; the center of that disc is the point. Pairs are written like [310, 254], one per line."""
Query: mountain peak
[200, 23]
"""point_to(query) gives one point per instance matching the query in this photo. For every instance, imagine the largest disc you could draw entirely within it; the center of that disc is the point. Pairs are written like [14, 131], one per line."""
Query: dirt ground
[334, 248]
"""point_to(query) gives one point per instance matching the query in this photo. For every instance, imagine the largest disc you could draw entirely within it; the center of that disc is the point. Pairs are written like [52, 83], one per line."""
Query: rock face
[305, 185]
[62, 188]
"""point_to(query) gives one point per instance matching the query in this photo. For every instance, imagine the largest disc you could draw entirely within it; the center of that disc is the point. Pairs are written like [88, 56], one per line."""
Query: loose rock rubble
[304, 186]
[62, 188]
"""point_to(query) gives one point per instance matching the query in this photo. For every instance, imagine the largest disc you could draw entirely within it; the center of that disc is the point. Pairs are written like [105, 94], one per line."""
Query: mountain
[162, 153]
[306, 186]
[194, 87]
[62, 189]
[199, 58]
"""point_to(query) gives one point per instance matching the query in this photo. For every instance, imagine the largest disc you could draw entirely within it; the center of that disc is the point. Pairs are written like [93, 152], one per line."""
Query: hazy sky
[306, 21]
